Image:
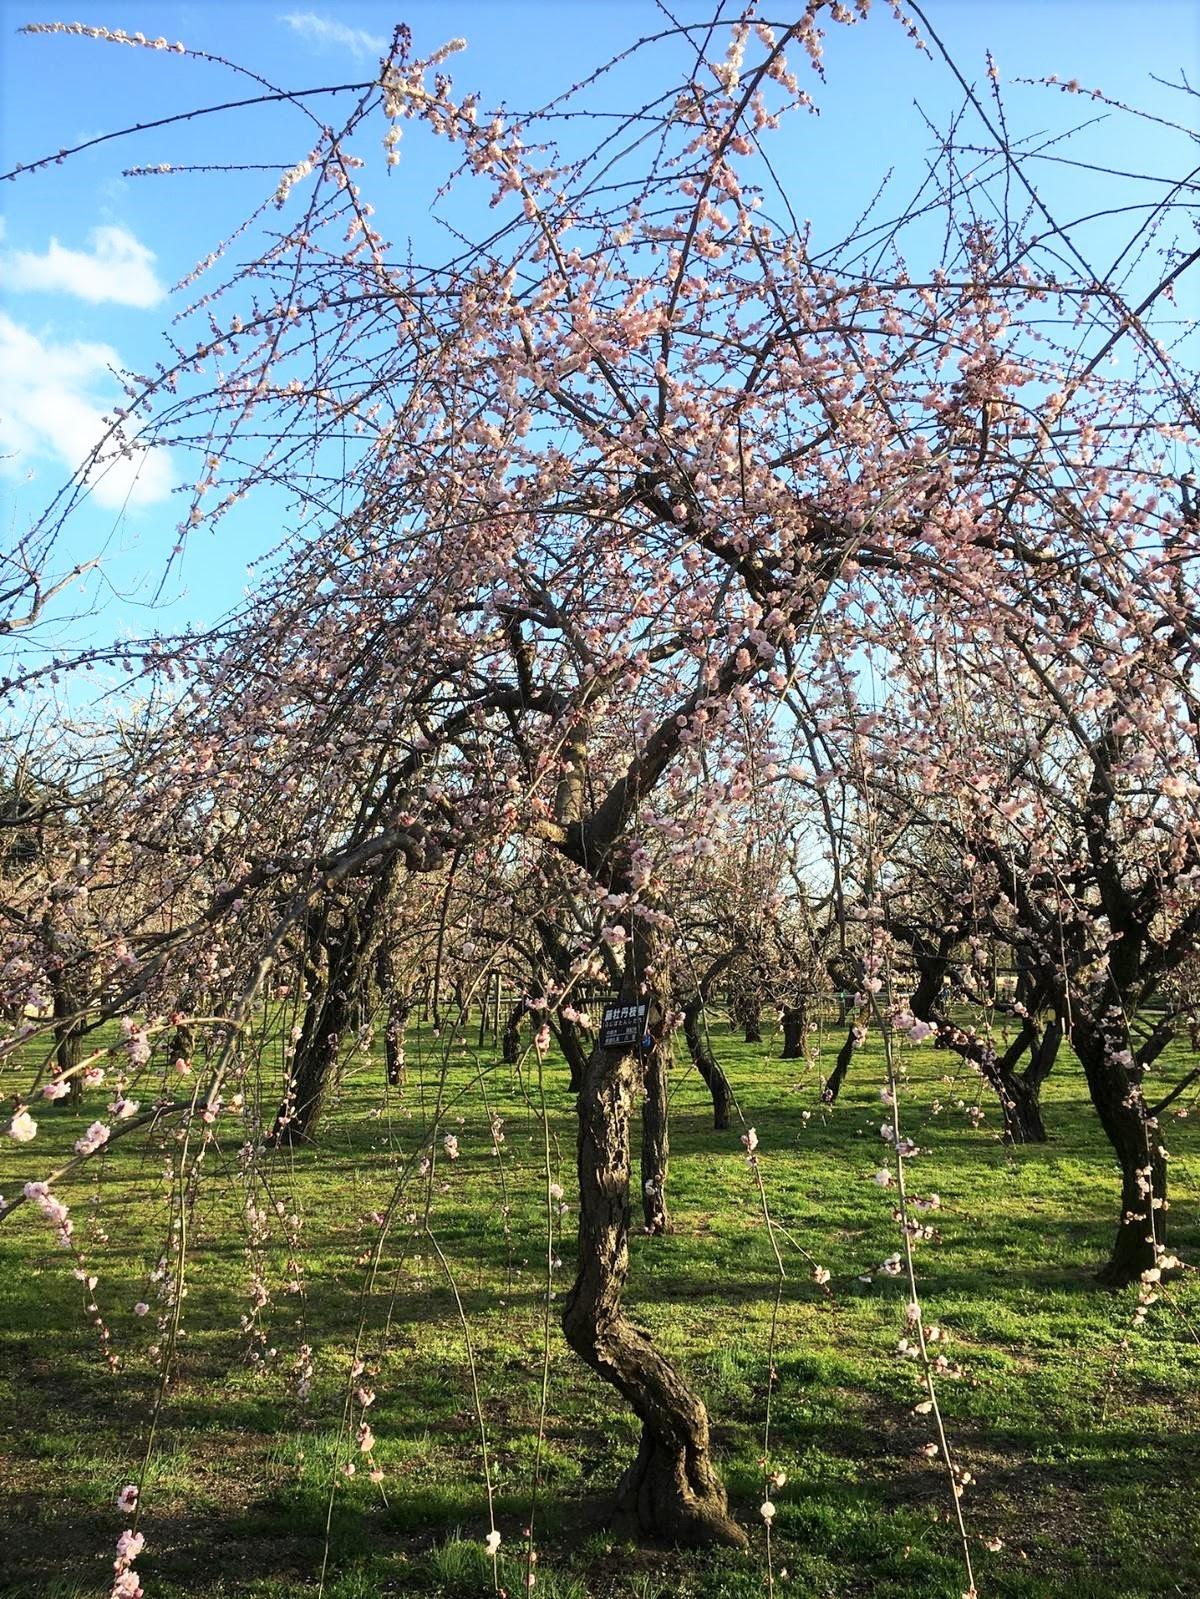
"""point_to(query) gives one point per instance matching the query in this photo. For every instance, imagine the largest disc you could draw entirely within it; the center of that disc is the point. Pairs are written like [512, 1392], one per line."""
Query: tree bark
[1020, 1104]
[1020, 1092]
[672, 1490]
[326, 1018]
[841, 1066]
[510, 1043]
[1117, 1095]
[702, 1058]
[795, 1031]
[393, 1042]
[67, 1036]
[1021, 1107]
[397, 1009]
[570, 1041]
[348, 948]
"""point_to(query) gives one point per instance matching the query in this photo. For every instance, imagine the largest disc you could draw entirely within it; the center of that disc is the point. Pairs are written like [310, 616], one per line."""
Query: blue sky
[87, 256]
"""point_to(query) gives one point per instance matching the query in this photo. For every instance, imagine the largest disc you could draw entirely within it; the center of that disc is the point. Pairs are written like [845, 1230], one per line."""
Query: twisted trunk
[710, 1072]
[672, 1490]
[326, 1019]
[340, 958]
[1104, 1051]
[1020, 1092]
[393, 1042]
[1019, 1096]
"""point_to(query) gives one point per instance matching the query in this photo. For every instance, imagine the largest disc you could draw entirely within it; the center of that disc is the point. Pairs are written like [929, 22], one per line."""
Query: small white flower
[492, 1542]
[22, 1128]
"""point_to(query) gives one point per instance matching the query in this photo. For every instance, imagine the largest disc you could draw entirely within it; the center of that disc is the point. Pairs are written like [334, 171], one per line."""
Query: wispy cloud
[326, 34]
[54, 400]
[117, 268]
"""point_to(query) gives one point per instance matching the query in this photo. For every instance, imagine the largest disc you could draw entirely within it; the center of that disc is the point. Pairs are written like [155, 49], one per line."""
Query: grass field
[1079, 1429]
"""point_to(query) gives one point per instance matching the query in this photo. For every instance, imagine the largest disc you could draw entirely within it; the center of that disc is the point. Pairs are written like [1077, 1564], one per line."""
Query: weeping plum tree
[1078, 838]
[941, 939]
[627, 486]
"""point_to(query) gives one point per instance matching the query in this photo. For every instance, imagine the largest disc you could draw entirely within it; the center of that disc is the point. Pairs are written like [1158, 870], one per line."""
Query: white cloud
[52, 403]
[328, 35]
[118, 268]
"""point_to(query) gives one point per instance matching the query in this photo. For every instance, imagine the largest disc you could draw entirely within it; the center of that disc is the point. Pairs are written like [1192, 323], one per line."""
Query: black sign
[622, 1025]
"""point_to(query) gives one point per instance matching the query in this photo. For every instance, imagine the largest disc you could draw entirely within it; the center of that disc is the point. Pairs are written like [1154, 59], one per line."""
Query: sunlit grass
[1079, 1430]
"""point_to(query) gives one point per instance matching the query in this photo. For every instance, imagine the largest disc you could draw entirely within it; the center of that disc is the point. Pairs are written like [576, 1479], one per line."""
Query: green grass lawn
[1080, 1430]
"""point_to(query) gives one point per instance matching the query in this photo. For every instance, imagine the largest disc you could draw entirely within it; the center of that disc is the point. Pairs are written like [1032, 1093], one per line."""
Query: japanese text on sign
[622, 1024]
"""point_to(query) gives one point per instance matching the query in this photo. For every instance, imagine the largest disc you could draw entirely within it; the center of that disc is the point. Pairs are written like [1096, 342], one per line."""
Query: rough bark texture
[326, 1019]
[342, 941]
[672, 1490]
[393, 1043]
[1020, 1092]
[1021, 1105]
[795, 1031]
[1117, 1095]
[745, 1004]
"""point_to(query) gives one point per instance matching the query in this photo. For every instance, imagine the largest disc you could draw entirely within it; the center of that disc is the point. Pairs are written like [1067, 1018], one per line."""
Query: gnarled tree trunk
[341, 946]
[705, 1063]
[672, 1490]
[1020, 1092]
[326, 1020]
[1114, 1084]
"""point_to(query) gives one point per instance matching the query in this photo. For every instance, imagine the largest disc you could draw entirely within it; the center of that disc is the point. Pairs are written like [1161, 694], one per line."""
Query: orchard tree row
[675, 610]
